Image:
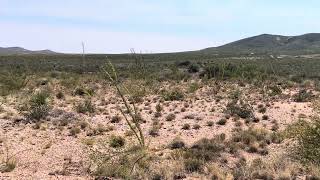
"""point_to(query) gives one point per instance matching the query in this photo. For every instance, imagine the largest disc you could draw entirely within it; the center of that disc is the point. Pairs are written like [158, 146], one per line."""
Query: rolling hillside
[266, 43]
[21, 51]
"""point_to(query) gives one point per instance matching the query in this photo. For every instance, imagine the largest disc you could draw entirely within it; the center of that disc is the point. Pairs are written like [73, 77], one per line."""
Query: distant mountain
[21, 51]
[267, 44]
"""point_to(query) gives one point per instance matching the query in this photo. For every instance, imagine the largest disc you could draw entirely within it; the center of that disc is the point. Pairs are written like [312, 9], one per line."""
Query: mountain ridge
[269, 43]
[21, 51]
[260, 44]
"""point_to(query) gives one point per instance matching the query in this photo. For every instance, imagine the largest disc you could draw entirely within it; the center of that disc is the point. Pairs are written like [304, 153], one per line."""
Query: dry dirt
[50, 152]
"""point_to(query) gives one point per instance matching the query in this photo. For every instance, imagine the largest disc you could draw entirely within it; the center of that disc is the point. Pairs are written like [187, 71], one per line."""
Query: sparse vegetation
[191, 99]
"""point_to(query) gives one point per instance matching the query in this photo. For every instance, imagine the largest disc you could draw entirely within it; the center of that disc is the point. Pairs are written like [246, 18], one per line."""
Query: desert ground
[57, 128]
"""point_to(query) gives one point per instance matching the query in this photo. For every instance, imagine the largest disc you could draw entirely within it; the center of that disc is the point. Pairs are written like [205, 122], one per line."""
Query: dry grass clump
[38, 106]
[173, 95]
[222, 122]
[176, 143]
[186, 126]
[241, 109]
[201, 152]
[170, 117]
[210, 123]
[115, 119]
[303, 96]
[116, 141]
[254, 140]
[121, 162]
[279, 166]
[86, 106]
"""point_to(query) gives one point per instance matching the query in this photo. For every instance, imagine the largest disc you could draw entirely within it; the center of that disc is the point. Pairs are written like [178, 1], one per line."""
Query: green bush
[307, 135]
[39, 99]
[38, 106]
[11, 82]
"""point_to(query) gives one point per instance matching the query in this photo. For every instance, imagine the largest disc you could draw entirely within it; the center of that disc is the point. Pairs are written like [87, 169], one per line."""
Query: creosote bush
[307, 135]
[11, 82]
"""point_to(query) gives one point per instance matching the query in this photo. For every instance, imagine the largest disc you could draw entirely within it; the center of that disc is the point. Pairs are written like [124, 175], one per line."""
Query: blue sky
[115, 26]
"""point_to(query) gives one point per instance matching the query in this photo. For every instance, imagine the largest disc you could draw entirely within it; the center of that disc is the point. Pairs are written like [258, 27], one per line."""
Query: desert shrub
[265, 117]
[173, 95]
[193, 68]
[8, 165]
[170, 117]
[116, 141]
[176, 144]
[182, 63]
[60, 95]
[186, 127]
[74, 131]
[210, 123]
[307, 135]
[250, 136]
[115, 119]
[193, 165]
[159, 108]
[303, 96]
[154, 131]
[137, 90]
[12, 82]
[174, 74]
[157, 114]
[205, 149]
[231, 71]
[82, 91]
[196, 126]
[85, 107]
[274, 90]
[235, 95]
[242, 110]
[222, 122]
[40, 98]
[131, 163]
[83, 124]
[38, 106]
[193, 87]
[37, 113]
[262, 110]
